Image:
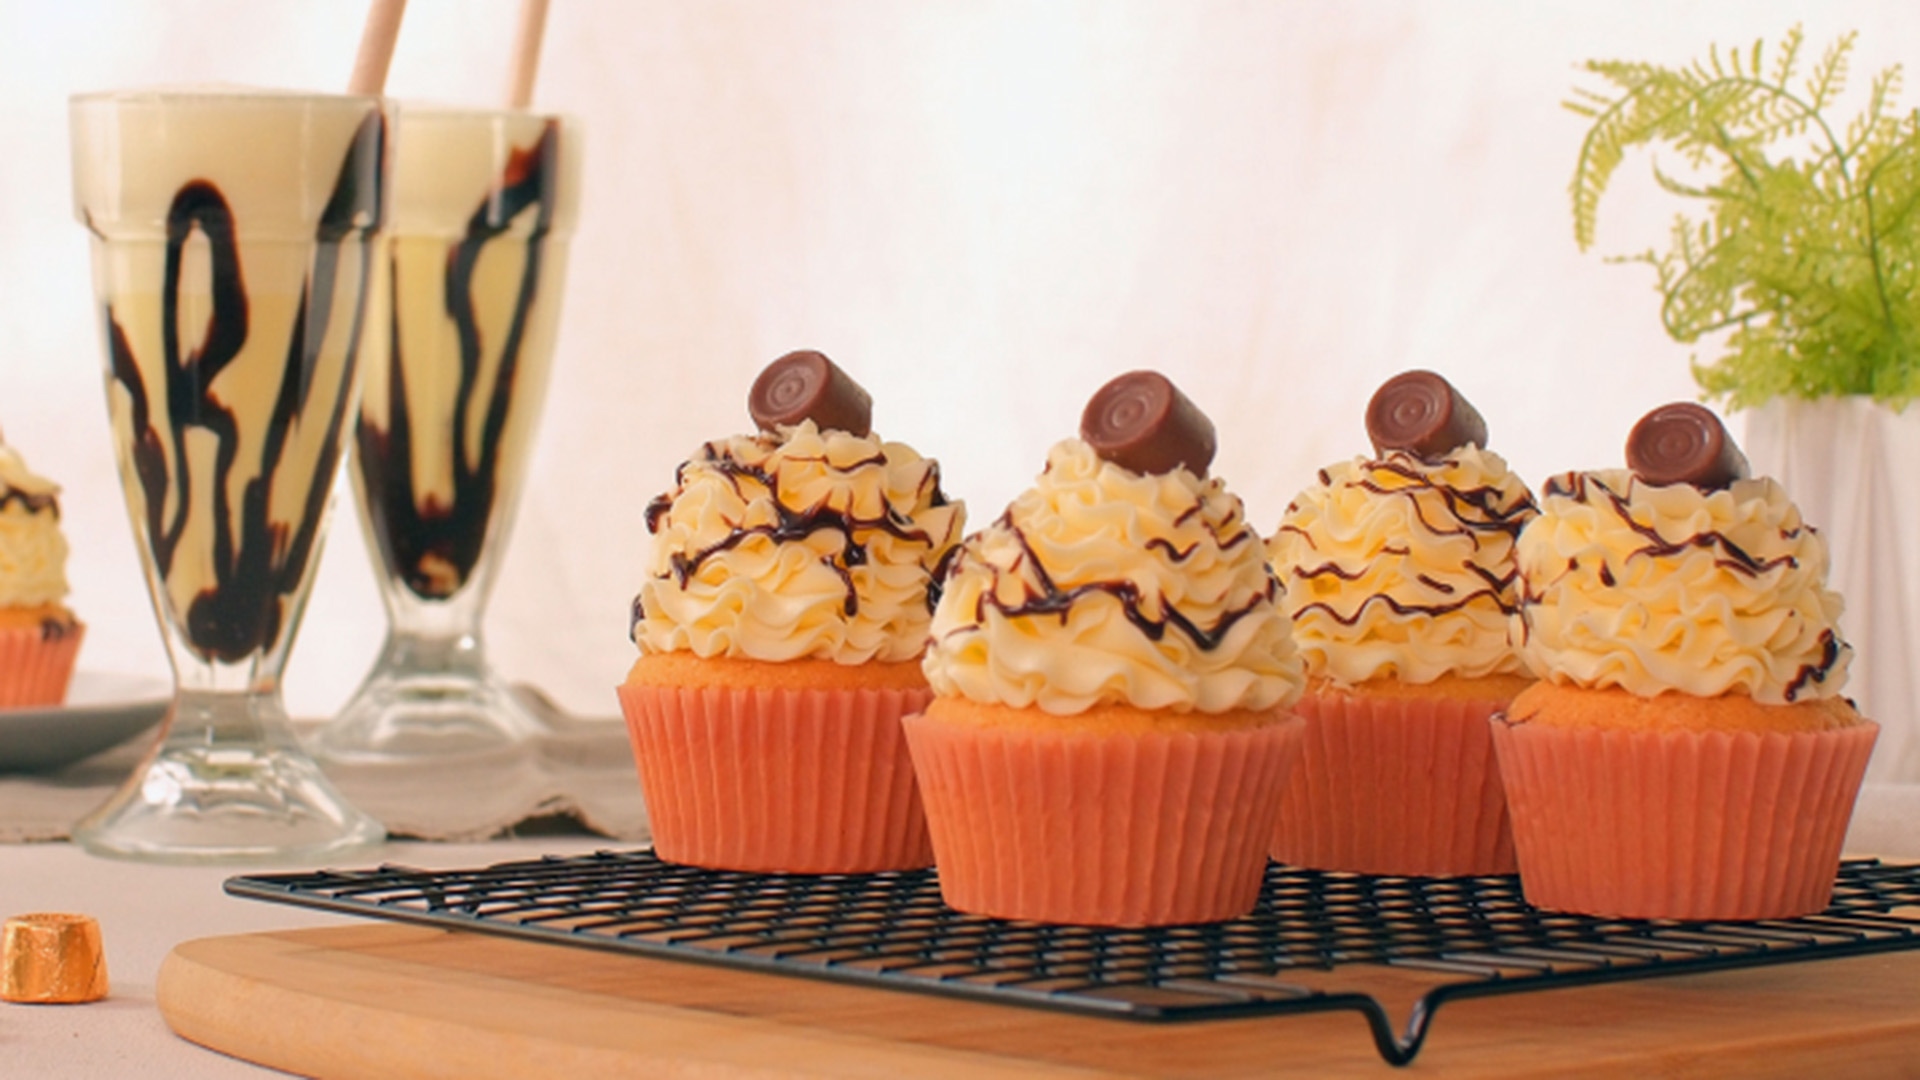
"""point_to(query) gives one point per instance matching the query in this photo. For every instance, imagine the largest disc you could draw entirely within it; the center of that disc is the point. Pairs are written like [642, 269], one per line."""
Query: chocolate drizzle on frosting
[257, 564]
[1592, 490]
[1473, 512]
[31, 502]
[1044, 598]
[435, 547]
[1816, 672]
[793, 525]
[1732, 556]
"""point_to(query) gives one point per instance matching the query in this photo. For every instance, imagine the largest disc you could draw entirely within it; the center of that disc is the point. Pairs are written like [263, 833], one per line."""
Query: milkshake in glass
[465, 311]
[234, 237]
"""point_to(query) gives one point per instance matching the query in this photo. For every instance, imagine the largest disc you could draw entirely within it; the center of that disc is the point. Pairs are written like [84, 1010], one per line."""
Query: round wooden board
[397, 1001]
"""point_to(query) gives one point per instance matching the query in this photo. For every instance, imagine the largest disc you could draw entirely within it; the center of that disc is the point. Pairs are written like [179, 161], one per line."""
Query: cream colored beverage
[233, 246]
[484, 204]
[466, 302]
[235, 238]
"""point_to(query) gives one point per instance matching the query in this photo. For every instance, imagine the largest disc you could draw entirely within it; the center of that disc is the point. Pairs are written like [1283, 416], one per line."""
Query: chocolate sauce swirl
[434, 546]
[257, 563]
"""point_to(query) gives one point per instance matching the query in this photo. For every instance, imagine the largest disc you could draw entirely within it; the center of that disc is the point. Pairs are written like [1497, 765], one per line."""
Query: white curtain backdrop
[981, 209]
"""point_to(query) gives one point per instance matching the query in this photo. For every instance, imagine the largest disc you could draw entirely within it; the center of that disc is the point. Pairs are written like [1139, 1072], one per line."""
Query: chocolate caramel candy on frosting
[1421, 413]
[805, 385]
[1684, 443]
[1141, 421]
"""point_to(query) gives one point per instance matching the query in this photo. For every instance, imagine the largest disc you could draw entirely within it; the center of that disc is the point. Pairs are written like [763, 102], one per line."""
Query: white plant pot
[1853, 466]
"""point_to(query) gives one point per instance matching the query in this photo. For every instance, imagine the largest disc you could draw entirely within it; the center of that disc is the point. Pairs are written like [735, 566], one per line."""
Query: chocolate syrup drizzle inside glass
[243, 612]
[435, 547]
[1731, 558]
[1507, 521]
[791, 525]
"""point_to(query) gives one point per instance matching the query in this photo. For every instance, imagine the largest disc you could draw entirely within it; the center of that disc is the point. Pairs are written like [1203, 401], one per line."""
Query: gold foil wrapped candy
[52, 959]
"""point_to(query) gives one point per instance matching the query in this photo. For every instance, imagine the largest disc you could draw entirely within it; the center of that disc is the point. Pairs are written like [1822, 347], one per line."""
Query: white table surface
[144, 911]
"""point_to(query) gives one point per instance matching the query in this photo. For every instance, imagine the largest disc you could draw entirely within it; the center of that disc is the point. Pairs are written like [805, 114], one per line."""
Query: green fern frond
[1804, 271]
[1829, 77]
[1789, 56]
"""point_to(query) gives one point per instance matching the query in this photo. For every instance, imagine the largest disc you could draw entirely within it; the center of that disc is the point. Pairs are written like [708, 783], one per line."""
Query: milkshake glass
[233, 237]
[466, 307]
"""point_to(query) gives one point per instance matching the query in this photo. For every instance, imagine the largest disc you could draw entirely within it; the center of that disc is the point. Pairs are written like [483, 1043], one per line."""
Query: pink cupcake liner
[36, 667]
[784, 781]
[1077, 826]
[1680, 825]
[1395, 786]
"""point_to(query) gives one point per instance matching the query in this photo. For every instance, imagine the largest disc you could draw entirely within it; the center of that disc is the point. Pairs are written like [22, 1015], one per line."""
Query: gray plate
[101, 710]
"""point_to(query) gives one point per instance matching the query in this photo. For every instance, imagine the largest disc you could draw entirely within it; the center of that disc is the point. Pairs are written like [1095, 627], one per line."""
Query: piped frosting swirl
[33, 551]
[1670, 587]
[1103, 585]
[1403, 568]
[797, 543]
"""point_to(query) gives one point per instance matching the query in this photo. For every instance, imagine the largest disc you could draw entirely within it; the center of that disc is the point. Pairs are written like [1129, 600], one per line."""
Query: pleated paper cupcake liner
[1084, 827]
[779, 781]
[1395, 786]
[35, 667]
[1680, 825]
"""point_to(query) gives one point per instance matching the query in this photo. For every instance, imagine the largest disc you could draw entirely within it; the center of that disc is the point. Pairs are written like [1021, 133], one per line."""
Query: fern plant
[1806, 263]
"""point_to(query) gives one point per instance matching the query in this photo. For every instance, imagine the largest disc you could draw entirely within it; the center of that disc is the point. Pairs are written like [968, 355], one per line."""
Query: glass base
[414, 716]
[202, 800]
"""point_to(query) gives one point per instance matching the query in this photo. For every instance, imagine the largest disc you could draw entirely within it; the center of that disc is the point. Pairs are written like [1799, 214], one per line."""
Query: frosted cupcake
[1112, 671]
[780, 628]
[39, 637]
[1687, 753]
[1400, 579]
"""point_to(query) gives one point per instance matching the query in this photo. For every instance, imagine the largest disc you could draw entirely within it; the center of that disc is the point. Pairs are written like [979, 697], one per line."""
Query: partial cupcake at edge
[789, 589]
[1112, 672]
[1688, 753]
[39, 636]
[1401, 581]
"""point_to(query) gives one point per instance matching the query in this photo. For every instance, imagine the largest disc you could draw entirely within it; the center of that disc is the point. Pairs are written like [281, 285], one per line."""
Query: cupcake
[780, 630]
[1687, 753]
[1400, 580]
[1112, 671]
[39, 636]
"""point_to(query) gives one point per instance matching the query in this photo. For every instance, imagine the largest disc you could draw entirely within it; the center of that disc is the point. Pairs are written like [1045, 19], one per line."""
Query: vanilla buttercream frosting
[33, 551]
[1101, 585]
[1654, 588]
[1403, 568]
[797, 543]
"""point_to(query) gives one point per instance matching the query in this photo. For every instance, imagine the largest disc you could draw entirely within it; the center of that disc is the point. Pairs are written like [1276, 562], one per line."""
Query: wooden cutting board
[390, 1001]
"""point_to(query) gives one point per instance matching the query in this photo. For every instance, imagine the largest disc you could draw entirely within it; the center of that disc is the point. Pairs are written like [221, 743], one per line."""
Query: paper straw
[526, 53]
[376, 47]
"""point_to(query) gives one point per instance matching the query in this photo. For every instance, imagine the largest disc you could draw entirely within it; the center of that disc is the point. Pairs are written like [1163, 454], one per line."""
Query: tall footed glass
[233, 239]
[466, 312]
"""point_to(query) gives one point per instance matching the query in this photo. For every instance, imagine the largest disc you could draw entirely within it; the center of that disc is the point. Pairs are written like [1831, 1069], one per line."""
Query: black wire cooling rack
[891, 930]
